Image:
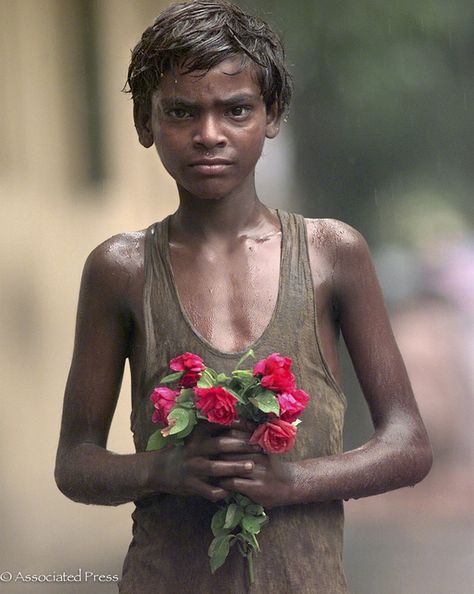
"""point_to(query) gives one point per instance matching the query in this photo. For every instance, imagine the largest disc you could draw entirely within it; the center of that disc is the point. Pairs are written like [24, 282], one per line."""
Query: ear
[141, 117]
[273, 121]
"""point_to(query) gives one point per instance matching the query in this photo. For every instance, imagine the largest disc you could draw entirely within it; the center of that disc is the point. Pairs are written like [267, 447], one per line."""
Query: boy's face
[209, 129]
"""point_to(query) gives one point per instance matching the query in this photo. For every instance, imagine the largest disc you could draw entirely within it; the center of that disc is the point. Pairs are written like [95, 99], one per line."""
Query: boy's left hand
[270, 483]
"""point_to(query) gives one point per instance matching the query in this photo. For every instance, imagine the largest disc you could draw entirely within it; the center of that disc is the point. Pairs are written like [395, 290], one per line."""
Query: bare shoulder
[339, 254]
[339, 244]
[120, 254]
[334, 236]
[115, 267]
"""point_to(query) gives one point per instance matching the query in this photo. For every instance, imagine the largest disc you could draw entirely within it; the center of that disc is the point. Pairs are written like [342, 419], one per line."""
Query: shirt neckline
[182, 309]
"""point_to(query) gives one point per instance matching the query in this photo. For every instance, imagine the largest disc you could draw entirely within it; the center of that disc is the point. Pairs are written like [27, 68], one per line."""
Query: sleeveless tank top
[301, 546]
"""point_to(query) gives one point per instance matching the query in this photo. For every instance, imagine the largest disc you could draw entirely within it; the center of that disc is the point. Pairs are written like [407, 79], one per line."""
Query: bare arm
[399, 453]
[85, 470]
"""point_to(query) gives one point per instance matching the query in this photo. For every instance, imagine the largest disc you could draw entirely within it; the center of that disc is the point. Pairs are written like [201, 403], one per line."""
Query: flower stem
[250, 567]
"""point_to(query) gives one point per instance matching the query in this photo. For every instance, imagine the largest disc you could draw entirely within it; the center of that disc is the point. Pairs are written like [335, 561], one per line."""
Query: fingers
[255, 457]
[227, 444]
[241, 485]
[213, 469]
[244, 425]
[220, 468]
[213, 493]
[203, 430]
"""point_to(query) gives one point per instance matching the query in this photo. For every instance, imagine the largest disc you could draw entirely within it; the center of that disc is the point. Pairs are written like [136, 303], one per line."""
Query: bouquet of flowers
[266, 395]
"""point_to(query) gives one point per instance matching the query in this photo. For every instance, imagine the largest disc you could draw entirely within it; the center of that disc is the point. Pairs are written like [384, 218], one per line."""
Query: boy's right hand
[189, 469]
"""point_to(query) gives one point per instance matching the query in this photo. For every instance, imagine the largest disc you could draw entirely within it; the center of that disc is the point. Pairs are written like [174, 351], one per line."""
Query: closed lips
[210, 162]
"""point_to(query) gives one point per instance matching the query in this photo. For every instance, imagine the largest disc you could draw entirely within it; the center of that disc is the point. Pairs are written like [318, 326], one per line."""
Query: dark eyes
[178, 113]
[238, 112]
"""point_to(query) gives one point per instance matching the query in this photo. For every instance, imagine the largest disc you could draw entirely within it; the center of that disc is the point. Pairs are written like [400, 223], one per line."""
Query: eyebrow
[231, 100]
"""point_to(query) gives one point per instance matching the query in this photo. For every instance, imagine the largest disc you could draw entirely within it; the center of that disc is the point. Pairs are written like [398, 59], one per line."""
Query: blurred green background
[383, 109]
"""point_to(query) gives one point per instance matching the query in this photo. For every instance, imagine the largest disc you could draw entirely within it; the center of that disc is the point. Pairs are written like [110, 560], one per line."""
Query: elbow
[424, 462]
[64, 478]
[409, 455]
[62, 482]
[420, 458]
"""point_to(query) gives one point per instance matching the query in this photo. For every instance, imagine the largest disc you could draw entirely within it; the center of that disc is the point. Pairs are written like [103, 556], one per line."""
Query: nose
[209, 132]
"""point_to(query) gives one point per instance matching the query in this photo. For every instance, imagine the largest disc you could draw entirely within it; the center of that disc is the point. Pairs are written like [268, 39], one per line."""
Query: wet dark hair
[200, 34]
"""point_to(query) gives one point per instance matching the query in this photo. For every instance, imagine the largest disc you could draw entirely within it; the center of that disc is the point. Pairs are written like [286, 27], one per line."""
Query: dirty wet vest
[301, 546]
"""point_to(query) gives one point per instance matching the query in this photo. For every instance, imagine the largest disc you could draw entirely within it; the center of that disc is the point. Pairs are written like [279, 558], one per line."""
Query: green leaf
[217, 522]
[250, 539]
[233, 516]
[244, 376]
[242, 500]
[156, 441]
[222, 378]
[248, 354]
[242, 548]
[266, 402]
[182, 417]
[249, 388]
[218, 551]
[216, 543]
[254, 509]
[192, 421]
[186, 396]
[235, 394]
[211, 374]
[250, 524]
[206, 381]
[186, 404]
[173, 377]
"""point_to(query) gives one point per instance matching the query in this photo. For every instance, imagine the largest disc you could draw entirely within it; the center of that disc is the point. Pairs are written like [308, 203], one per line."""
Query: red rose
[217, 404]
[187, 362]
[189, 380]
[280, 380]
[292, 404]
[275, 372]
[163, 399]
[275, 436]
[271, 363]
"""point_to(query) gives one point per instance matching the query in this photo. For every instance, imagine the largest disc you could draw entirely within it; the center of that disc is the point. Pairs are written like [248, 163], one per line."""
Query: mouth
[211, 166]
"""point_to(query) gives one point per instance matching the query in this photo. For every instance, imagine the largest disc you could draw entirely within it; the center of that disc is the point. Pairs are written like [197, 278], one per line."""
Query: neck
[220, 219]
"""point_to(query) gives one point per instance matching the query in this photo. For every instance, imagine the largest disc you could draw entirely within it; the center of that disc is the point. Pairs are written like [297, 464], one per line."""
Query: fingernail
[248, 466]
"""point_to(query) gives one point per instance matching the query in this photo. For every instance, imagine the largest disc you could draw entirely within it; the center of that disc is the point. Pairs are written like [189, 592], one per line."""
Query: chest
[230, 297]
[229, 294]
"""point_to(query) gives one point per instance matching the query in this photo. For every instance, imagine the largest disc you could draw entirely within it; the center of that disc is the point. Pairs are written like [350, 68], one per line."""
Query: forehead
[233, 76]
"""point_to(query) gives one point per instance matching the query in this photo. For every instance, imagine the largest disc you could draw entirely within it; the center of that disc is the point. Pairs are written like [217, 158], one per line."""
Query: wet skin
[223, 233]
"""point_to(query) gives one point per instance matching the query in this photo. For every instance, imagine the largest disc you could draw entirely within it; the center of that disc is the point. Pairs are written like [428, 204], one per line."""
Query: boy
[222, 274]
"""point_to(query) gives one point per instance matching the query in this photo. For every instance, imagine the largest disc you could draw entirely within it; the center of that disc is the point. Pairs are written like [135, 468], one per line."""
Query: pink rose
[271, 363]
[163, 400]
[187, 362]
[292, 404]
[217, 404]
[189, 380]
[275, 436]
